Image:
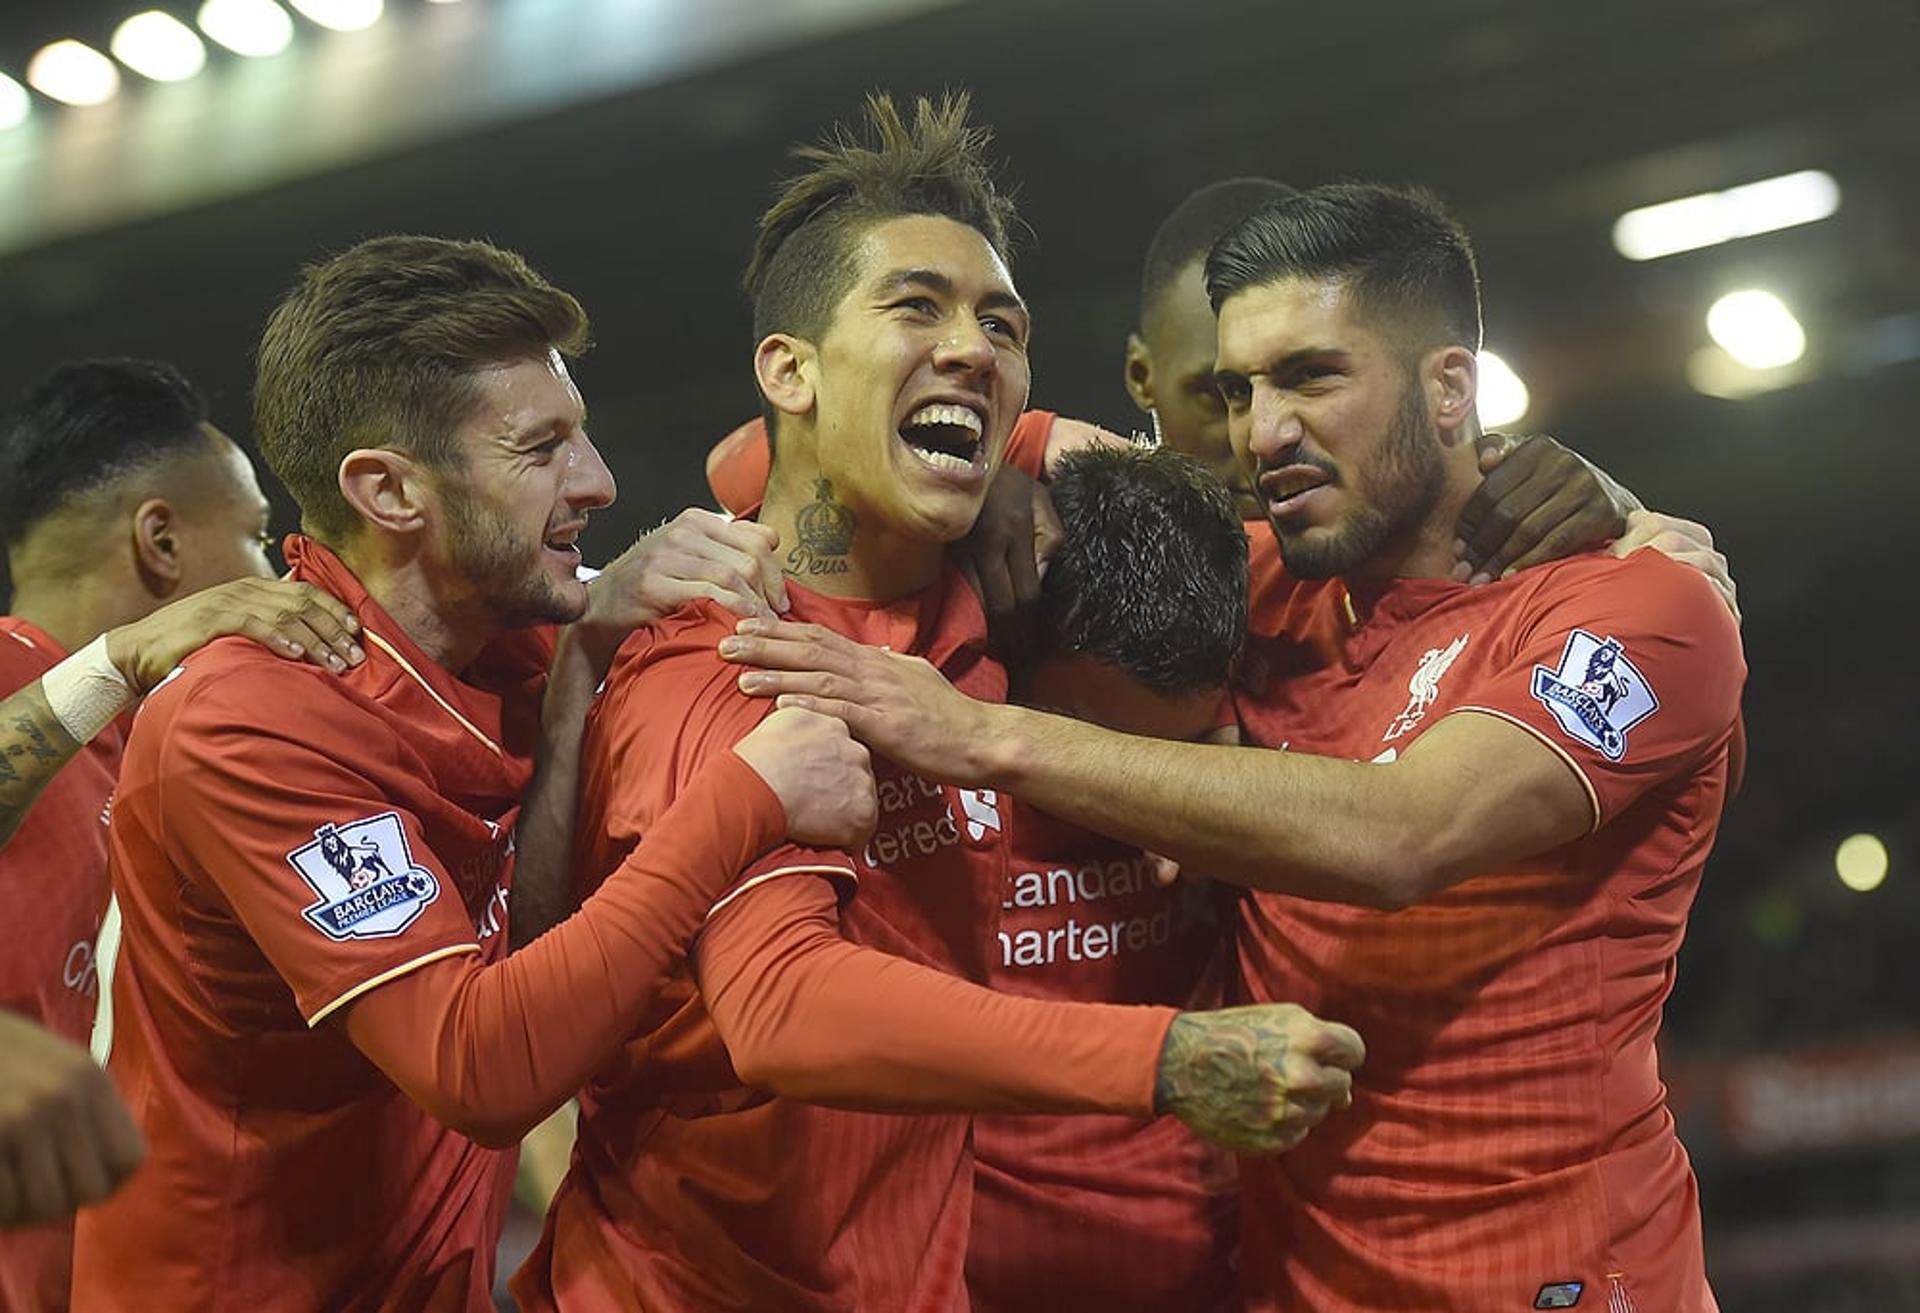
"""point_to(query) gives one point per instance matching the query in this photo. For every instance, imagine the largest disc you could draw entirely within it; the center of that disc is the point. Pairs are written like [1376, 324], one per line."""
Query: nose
[589, 485]
[965, 348]
[1273, 424]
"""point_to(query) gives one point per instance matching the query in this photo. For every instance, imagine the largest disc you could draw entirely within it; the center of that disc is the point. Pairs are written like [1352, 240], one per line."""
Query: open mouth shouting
[948, 438]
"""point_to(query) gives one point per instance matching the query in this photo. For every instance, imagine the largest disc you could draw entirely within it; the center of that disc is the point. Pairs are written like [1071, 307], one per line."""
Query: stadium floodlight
[341, 15]
[1861, 862]
[15, 103]
[1722, 216]
[1503, 397]
[159, 46]
[254, 28]
[1756, 328]
[73, 73]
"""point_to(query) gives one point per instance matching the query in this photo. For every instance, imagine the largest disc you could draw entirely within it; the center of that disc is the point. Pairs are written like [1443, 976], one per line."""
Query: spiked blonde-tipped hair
[802, 260]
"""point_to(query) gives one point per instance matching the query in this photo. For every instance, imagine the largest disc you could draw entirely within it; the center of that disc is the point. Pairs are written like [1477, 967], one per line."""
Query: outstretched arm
[1504, 776]
[810, 1016]
[44, 725]
[1471, 793]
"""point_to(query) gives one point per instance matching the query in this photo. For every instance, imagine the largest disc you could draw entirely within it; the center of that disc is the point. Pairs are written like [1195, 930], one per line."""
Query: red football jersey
[689, 1190]
[1509, 1144]
[285, 840]
[1098, 1212]
[53, 876]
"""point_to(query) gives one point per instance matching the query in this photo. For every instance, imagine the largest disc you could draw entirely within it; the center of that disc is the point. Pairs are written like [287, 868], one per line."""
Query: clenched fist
[1256, 1079]
[65, 1138]
[822, 777]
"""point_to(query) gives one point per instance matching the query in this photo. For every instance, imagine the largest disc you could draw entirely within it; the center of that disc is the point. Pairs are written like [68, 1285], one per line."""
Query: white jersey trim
[810, 868]
[420, 679]
[1593, 795]
[106, 961]
[391, 973]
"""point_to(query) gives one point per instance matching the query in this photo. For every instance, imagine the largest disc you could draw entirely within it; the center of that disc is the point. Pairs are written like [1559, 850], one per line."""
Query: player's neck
[432, 615]
[834, 549]
[74, 612]
[74, 609]
[1425, 549]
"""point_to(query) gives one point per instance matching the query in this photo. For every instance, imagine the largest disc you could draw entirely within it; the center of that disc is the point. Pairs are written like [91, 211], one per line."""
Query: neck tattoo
[825, 529]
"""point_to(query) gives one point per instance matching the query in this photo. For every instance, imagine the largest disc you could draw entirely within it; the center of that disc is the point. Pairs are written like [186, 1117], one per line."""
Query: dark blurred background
[625, 146]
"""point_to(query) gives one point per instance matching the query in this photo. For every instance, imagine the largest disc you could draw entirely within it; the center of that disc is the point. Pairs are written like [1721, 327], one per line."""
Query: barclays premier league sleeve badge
[365, 875]
[1597, 694]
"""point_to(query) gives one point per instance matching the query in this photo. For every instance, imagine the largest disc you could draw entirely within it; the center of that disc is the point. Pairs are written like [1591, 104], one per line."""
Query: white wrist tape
[86, 691]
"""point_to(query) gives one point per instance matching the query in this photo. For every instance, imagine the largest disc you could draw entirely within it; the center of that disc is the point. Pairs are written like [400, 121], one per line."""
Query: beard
[1402, 479]
[502, 567]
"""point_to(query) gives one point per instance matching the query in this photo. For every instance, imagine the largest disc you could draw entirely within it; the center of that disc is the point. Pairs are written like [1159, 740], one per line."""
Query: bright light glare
[255, 28]
[341, 15]
[73, 73]
[1862, 862]
[1721, 216]
[15, 103]
[1503, 397]
[158, 46]
[1717, 374]
[1756, 328]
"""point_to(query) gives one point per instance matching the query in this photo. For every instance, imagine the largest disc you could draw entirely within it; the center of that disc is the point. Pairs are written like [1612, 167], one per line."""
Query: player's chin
[946, 515]
[559, 599]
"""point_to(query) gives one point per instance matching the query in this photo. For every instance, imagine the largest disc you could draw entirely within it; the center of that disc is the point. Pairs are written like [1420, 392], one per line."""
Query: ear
[783, 365]
[157, 547]
[1139, 372]
[1452, 380]
[385, 488]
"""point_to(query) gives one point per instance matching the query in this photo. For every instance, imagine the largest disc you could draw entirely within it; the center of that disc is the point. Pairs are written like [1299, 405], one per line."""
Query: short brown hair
[803, 254]
[377, 347]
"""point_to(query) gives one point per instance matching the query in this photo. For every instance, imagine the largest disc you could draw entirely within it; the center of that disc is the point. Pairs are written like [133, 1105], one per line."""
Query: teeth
[941, 413]
[941, 460]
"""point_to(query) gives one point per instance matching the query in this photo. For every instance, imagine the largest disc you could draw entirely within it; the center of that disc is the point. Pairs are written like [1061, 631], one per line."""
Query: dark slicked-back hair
[1152, 575]
[1196, 224]
[1404, 259]
[378, 347]
[88, 424]
[802, 260]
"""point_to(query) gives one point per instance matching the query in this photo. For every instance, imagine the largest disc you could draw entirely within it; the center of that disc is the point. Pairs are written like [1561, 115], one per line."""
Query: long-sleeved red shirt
[717, 1164]
[313, 999]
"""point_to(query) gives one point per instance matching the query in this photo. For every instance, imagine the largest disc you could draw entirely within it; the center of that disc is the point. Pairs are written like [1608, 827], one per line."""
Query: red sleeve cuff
[728, 776]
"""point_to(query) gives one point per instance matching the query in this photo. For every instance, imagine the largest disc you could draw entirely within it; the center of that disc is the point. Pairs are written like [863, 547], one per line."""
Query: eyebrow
[935, 281]
[1287, 361]
[539, 433]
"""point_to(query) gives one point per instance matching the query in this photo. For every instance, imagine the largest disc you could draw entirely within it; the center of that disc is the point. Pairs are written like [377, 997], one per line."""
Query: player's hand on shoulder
[822, 776]
[697, 554]
[899, 705]
[1256, 1079]
[1686, 541]
[294, 620]
[1538, 501]
[1005, 553]
[65, 1138]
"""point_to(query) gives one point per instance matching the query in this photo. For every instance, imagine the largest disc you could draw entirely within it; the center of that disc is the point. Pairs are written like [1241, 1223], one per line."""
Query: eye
[1234, 390]
[1001, 328]
[919, 305]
